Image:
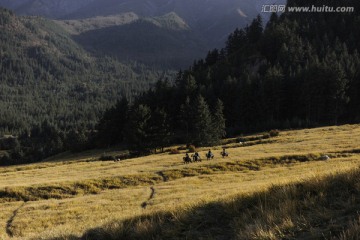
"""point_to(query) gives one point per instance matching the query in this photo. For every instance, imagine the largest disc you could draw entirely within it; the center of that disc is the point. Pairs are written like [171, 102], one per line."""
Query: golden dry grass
[249, 169]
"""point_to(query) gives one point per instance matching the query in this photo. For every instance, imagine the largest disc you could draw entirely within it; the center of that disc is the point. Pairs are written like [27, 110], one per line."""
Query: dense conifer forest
[297, 70]
[51, 89]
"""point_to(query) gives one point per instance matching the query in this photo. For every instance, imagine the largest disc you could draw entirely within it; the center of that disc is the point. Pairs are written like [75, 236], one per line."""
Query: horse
[209, 156]
[196, 158]
[224, 154]
[187, 160]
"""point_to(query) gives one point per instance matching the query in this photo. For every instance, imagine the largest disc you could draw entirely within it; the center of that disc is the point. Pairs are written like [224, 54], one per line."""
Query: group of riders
[196, 157]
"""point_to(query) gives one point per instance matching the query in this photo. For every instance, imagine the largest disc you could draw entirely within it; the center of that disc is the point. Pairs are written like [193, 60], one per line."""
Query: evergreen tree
[76, 140]
[111, 125]
[190, 85]
[137, 128]
[218, 121]
[202, 134]
[272, 87]
[236, 41]
[159, 130]
[212, 57]
[186, 120]
[255, 30]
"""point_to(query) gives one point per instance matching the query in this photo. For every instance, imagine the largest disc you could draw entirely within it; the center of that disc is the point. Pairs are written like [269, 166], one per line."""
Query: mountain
[164, 41]
[76, 27]
[46, 75]
[48, 8]
[210, 17]
[213, 19]
[184, 29]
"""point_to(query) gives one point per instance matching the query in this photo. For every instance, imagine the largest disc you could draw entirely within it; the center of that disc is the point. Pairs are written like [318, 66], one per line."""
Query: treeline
[144, 126]
[42, 141]
[300, 70]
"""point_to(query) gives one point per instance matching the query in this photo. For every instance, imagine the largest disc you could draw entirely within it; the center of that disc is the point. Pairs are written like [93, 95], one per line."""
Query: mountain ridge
[198, 15]
[184, 29]
[170, 21]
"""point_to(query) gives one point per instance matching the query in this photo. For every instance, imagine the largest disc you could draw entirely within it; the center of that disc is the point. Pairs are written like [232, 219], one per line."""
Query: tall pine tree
[137, 128]
[218, 122]
[202, 134]
[159, 129]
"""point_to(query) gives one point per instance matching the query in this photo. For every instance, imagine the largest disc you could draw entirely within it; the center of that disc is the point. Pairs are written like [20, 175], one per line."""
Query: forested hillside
[47, 76]
[300, 70]
[50, 87]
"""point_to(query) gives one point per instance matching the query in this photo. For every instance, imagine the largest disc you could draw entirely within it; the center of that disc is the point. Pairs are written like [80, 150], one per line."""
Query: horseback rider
[196, 157]
[224, 153]
[187, 159]
[209, 154]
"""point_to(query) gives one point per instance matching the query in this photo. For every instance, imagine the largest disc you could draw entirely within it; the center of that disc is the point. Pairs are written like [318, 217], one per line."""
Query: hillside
[166, 41]
[54, 8]
[299, 70]
[278, 187]
[45, 75]
[156, 42]
[208, 23]
[76, 27]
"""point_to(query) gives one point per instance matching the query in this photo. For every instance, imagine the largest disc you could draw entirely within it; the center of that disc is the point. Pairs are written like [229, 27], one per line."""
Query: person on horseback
[209, 155]
[197, 156]
[224, 153]
[187, 159]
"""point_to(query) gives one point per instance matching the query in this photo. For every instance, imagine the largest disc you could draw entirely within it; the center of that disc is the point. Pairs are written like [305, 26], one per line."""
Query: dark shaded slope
[145, 42]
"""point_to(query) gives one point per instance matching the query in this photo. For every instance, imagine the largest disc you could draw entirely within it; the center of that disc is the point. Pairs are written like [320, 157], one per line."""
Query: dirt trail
[144, 204]
[9, 232]
[161, 174]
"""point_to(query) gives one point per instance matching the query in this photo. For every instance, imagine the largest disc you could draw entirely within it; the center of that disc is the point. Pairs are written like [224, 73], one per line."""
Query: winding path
[9, 232]
[144, 204]
[161, 174]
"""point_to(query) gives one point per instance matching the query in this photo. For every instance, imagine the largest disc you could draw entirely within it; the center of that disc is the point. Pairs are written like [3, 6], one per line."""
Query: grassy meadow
[268, 188]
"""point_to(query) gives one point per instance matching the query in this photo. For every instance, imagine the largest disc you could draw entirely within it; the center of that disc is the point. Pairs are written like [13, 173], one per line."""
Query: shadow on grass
[320, 208]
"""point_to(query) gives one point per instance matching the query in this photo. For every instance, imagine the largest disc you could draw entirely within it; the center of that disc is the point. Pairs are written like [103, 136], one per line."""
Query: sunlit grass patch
[67, 196]
[280, 212]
